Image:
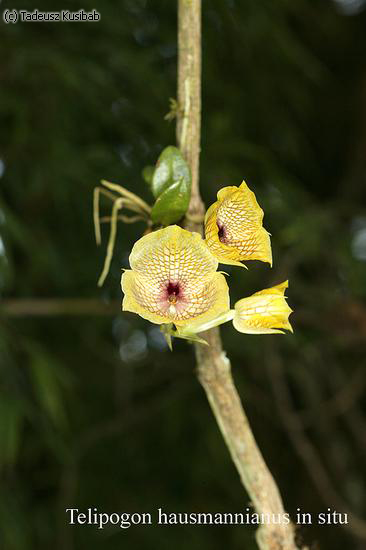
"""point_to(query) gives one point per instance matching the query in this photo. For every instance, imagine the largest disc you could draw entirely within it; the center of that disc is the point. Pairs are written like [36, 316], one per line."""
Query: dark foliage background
[94, 410]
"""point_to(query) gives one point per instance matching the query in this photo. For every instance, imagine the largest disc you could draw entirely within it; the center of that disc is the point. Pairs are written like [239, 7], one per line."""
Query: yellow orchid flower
[233, 227]
[173, 279]
[265, 312]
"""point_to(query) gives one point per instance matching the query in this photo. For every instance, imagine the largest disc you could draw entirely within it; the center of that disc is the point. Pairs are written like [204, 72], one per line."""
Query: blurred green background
[94, 410]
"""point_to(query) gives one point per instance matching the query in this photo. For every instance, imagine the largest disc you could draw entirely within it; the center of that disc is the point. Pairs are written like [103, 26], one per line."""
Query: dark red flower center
[221, 233]
[173, 291]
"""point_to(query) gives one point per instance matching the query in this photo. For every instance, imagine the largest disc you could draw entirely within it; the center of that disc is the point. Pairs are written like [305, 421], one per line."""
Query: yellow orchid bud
[265, 312]
[233, 227]
[173, 279]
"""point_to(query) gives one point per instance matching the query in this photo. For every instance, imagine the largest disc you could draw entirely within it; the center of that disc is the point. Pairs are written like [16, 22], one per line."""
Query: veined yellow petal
[210, 299]
[174, 279]
[226, 192]
[265, 312]
[206, 299]
[278, 289]
[172, 252]
[224, 253]
[140, 297]
[233, 227]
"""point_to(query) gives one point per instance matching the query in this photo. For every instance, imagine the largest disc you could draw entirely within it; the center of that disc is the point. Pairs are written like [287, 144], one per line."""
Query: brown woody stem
[213, 367]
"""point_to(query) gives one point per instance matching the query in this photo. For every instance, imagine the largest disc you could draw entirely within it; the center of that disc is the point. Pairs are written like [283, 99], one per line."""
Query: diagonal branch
[213, 367]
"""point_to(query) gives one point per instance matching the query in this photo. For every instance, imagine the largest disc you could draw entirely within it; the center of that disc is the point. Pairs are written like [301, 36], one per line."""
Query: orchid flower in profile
[265, 312]
[174, 279]
[233, 227]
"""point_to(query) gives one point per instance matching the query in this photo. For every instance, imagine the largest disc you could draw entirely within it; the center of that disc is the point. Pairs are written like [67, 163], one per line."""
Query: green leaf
[172, 204]
[147, 174]
[170, 168]
[171, 186]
